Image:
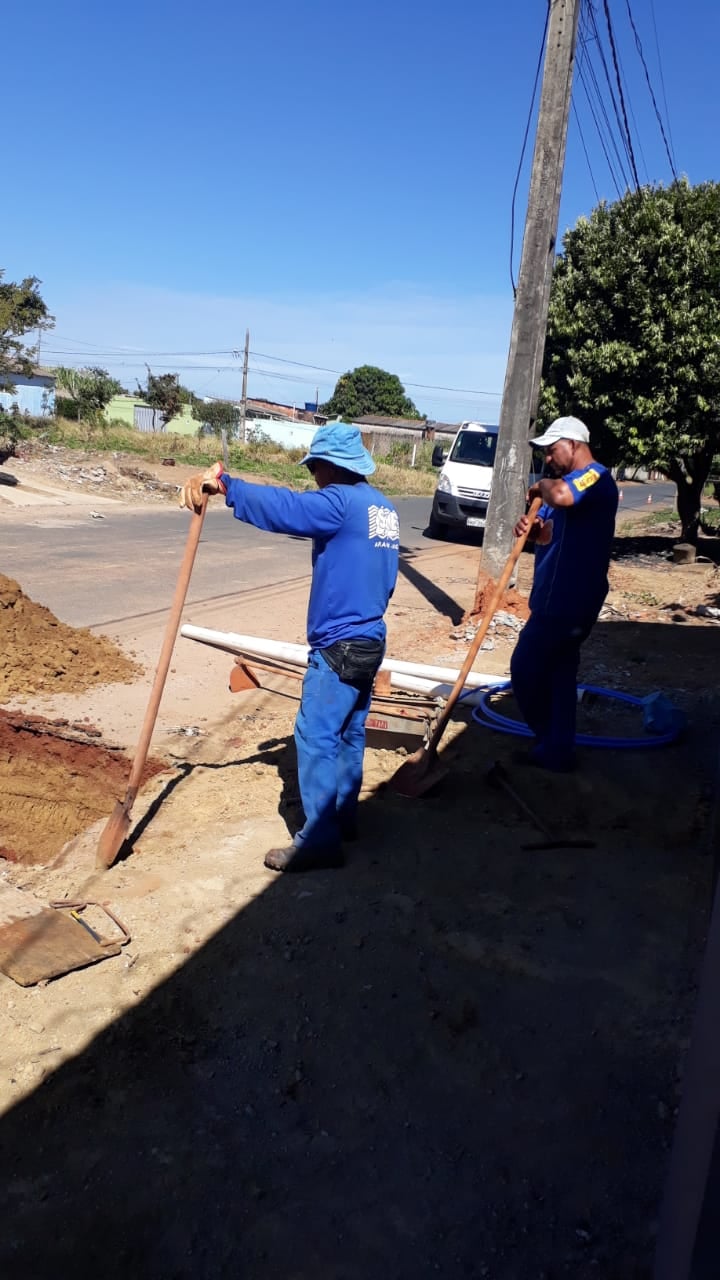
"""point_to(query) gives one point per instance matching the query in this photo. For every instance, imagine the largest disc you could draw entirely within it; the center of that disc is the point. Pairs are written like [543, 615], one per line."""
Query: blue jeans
[543, 670]
[330, 742]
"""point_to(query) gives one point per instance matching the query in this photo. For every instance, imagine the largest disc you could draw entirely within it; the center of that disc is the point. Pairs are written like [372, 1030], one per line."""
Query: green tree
[91, 390]
[217, 415]
[163, 393]
[22, 311]
[633, 342]
[368, 389]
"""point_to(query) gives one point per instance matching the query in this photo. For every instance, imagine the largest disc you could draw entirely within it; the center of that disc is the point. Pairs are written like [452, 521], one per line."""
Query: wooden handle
[171, 630]
[488, 615]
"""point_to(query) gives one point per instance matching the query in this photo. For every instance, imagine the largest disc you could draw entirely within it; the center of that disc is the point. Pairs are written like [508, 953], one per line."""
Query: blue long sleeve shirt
[356, 542]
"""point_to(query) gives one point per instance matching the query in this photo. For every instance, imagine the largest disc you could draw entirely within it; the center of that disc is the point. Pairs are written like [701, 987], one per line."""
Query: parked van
[463, 491]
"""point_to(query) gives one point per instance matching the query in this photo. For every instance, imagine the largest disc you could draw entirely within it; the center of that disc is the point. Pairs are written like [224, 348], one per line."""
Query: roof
[37, 371]
[380, 420]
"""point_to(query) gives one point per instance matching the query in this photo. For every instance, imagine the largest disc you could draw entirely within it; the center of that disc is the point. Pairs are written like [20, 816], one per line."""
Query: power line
[662, 81]
[524, 145]
[611, 169]
[592, 37]
[585, 150]
[613, 51]
[650, 88]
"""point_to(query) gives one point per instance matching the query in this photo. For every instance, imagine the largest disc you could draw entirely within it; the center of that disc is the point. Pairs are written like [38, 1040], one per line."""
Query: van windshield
[476, 447]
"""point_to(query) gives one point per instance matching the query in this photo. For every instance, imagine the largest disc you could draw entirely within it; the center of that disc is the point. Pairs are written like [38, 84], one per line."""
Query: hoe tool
[118, 824]
[421, 771]
[498, 778]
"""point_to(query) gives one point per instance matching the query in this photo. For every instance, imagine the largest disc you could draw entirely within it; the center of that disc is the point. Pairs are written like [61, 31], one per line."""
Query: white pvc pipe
[415, 677]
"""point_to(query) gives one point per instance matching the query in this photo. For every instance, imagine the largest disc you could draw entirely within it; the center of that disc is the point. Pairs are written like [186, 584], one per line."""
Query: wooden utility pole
[243, 405]
[527, 337]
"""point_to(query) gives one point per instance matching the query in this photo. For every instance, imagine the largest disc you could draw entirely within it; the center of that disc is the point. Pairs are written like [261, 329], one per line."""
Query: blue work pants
[330, 742]
[543, 670]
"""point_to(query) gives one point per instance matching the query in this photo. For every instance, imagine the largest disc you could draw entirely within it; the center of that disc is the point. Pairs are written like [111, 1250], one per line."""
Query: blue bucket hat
[341, 444]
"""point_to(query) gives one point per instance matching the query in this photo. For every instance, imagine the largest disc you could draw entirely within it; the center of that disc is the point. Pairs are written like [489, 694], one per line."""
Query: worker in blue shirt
[573, 533]
[356, 541]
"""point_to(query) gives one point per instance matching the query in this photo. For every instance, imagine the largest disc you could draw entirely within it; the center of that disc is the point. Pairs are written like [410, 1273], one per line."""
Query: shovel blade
[417, 775]
[113, 836]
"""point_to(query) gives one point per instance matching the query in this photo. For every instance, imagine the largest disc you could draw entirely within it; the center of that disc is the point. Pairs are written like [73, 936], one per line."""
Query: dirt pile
[40, 654]
[513, 601]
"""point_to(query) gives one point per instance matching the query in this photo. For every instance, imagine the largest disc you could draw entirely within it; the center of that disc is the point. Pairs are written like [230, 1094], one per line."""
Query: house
[34, 394]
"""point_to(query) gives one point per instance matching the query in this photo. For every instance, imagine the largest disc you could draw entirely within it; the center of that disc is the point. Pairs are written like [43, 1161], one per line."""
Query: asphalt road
[99, 572]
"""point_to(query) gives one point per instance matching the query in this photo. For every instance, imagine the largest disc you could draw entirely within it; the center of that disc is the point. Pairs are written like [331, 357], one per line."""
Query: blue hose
[484, 715]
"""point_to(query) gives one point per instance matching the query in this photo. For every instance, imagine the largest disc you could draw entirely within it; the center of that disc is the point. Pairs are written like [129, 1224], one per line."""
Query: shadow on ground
[453, 1057]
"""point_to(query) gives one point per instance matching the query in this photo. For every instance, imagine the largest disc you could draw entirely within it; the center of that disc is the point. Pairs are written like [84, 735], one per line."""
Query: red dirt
[513, 601]
[56, 779]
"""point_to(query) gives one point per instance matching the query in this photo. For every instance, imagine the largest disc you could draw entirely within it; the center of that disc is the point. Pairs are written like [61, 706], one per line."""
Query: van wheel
[436, 529]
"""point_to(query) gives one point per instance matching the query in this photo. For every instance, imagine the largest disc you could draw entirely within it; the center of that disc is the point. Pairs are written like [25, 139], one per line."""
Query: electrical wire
[662, 82]
[598, 129]
[613, 51]
[639, 47]
[522, 149]
[585, 150]
[591, 37]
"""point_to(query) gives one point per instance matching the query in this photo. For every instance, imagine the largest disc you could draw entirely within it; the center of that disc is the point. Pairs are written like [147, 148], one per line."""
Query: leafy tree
[163, 393]
[218, 415]
[91, 389]
[633, 342]
[368, 389]
[22, 311]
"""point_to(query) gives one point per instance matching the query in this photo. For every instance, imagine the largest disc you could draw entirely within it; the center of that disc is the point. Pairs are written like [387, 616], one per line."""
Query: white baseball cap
[563, 429]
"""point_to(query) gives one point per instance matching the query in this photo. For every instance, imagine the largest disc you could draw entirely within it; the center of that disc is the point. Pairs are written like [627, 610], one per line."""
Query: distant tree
[633, 342]
[22, 311]
[368, 389]
[163, 393]
[217, 415]
[91, 390]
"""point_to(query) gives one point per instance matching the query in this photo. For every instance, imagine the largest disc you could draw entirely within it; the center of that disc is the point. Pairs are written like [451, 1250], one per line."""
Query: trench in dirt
[55, 781]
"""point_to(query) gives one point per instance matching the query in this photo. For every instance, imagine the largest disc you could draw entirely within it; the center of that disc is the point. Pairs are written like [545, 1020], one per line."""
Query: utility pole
[243, 406]
[527, 337]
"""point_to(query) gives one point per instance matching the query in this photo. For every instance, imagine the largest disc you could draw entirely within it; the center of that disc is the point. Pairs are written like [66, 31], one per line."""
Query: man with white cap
[356, 541]
[573, 534]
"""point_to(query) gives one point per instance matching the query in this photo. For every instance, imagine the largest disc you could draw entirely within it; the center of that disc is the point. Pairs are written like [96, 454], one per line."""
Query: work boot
[540, 757]
[304, 858]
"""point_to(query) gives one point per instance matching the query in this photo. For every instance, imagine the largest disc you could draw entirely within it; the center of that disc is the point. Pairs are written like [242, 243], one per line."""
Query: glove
[205, 482]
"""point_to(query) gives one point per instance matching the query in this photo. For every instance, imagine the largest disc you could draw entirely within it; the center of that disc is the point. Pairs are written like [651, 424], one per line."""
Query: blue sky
[337, 178]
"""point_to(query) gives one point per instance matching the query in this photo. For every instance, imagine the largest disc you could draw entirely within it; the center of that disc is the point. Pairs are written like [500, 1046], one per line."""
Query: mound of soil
[39, 654]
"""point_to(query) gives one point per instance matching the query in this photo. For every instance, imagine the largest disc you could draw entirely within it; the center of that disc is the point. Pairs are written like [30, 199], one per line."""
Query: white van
[463, 491]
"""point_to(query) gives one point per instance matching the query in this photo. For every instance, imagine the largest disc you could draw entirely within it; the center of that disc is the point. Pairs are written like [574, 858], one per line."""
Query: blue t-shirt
[356, 543]
[571, 571]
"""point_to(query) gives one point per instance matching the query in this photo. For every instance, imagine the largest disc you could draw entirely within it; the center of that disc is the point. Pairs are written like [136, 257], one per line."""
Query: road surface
[99, 572]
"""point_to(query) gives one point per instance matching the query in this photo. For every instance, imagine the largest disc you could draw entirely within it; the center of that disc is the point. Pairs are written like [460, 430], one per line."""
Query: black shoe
[304, 858]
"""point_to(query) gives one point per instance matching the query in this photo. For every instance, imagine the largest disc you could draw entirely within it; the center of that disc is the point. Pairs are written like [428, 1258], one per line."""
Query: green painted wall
[123, 408]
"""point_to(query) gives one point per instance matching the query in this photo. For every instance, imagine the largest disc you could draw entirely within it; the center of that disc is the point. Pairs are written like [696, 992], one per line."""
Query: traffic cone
[649, 497]
[620, 496]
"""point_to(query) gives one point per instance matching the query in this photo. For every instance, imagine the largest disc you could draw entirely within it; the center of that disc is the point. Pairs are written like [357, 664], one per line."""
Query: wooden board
[37, 942]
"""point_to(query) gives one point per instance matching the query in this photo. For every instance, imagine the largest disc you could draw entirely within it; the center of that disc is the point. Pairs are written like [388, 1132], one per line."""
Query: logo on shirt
[584, 482]
[383, 525]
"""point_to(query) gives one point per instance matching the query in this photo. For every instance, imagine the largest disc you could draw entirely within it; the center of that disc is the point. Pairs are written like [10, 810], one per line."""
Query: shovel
[118, 824]
[421, 771]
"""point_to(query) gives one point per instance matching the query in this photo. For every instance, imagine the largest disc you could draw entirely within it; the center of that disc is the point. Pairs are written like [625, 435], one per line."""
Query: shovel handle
[171, 630]
[482, 630]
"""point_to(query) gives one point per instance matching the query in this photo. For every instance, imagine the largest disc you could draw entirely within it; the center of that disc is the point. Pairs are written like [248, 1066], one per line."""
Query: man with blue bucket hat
[356, 541]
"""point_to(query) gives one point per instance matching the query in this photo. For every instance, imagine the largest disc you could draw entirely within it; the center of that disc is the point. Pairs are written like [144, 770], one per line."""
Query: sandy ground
[456, 1056]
